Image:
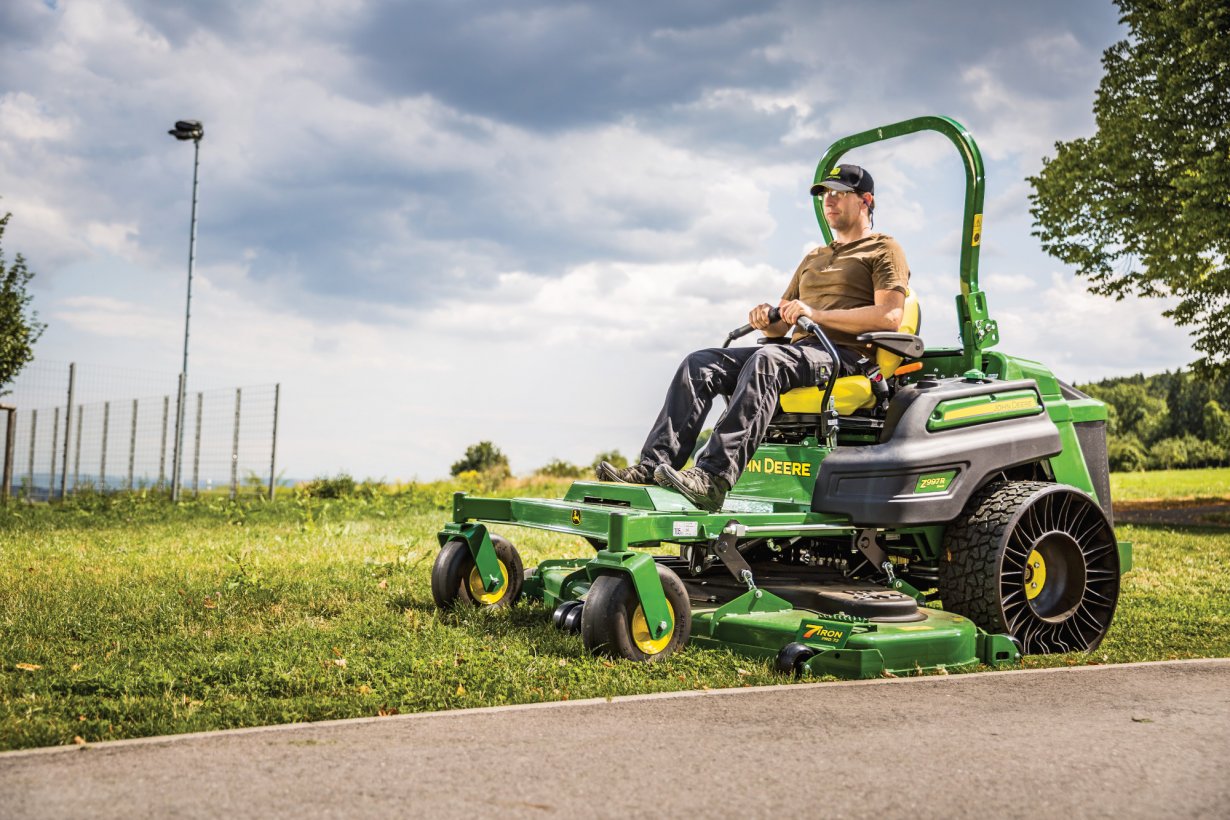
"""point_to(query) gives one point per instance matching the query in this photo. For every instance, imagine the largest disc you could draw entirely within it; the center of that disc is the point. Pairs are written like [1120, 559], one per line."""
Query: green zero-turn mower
[956, 476]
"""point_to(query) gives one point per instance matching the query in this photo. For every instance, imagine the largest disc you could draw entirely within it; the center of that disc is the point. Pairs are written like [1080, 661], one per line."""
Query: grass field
[126, 617]
[1208, 484]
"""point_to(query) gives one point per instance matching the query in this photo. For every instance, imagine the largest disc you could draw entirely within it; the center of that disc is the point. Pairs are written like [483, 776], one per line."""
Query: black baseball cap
[845, 178]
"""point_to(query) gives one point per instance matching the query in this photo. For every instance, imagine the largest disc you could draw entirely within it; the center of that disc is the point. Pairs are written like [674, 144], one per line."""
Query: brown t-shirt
[847, 275]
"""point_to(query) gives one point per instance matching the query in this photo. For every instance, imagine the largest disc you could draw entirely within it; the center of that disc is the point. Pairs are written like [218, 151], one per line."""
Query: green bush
[558, 468]
[483, 457]
[1126, 455]
[1185, 451]
[614, 457]
[339, 486]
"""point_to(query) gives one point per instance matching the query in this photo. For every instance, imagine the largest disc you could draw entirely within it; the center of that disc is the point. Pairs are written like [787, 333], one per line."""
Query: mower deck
[844, 628]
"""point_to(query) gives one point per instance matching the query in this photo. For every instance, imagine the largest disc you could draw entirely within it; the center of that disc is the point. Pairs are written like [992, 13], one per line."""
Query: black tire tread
[969, 565]
[972, 565]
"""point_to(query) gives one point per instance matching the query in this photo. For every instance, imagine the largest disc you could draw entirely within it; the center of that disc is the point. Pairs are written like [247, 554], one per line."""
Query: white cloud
[120, 239]
[113, 318]
[1085, 337]
[22, 117]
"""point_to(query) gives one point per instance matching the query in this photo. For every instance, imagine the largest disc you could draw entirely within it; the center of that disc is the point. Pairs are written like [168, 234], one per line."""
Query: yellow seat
[852, 393]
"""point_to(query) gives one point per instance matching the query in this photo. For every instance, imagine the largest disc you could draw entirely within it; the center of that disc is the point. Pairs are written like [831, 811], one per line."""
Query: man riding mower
[857, 482]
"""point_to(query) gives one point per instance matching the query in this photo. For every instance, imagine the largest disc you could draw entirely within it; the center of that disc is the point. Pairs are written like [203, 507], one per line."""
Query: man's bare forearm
[860, 319]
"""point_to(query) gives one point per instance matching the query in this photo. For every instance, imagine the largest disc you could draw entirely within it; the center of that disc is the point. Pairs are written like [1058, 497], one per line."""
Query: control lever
[775, 315]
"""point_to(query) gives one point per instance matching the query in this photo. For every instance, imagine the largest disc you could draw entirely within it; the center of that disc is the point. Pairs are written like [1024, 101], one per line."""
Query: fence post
[33, 436]
[235, 446]
[55, 440]
[177, 455]
[162, 452]
[196, 457]
[132, 445]
[273, 447]
[102, 462]
[68, 426]
[77, 447]
[10, 439]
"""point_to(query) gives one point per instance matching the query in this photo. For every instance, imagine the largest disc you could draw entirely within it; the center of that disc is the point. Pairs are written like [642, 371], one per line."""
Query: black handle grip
[775, 315]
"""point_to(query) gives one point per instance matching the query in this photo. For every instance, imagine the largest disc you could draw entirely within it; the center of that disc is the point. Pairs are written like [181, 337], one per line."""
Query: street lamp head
[188, 130]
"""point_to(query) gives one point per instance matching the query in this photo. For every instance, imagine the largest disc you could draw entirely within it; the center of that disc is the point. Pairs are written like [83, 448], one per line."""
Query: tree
[1140, 208]
[558, 468]
[1217, 428]
[615, 457]
[1169, 453]
[19, 325]
[483, 457]
[1125, 454]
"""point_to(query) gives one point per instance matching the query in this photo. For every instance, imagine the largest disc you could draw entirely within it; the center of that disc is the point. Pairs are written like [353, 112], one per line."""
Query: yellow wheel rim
[640, 632]
[1035, 575]
[480, 594]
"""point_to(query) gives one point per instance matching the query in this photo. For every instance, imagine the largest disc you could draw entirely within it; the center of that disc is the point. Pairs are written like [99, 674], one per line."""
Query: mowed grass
[144, 619]
[1211, 484]
[128, 618]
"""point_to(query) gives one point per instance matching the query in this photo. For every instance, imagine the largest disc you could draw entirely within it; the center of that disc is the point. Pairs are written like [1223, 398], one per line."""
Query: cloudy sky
[441, 221]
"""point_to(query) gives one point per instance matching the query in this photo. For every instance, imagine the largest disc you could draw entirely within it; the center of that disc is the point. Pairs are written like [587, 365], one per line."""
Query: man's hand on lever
[792, 310]
[759, 316]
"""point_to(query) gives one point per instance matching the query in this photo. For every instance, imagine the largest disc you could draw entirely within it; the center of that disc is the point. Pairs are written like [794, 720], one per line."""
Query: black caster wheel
[455, 578]
[613, 620]
[567, 616]
[791, 658]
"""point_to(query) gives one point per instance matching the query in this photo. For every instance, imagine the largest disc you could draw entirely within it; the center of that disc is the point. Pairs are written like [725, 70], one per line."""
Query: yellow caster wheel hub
[640, 632]
[480, 594]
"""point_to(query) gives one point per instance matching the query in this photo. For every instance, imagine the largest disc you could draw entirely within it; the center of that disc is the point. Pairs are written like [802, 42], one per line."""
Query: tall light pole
[186, 130]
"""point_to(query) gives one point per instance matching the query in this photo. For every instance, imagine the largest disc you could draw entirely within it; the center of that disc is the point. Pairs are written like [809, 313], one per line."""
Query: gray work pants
[752, 378]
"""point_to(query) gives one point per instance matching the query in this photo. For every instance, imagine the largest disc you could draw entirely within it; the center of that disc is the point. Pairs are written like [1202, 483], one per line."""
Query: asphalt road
[1144, 740]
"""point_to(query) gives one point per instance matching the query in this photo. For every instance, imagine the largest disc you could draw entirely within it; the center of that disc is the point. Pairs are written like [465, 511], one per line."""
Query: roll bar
[978, 330]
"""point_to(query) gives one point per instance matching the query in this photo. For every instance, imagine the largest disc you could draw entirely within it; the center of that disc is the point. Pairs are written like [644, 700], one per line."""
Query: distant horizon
[384, 479]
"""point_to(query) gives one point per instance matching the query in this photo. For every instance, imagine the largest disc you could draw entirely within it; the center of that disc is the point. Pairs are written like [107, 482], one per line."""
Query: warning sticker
[977, 239]
[685, 529]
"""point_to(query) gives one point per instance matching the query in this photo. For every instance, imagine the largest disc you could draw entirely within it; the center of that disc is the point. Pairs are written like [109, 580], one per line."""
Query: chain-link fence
[68, 431]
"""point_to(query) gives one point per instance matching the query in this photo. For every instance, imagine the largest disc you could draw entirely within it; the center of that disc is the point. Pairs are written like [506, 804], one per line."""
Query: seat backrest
[911, 318]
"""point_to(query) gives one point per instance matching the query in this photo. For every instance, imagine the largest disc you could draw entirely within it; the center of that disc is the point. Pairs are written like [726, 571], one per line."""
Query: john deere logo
[775, 467]
[836, 172]
[576, 516]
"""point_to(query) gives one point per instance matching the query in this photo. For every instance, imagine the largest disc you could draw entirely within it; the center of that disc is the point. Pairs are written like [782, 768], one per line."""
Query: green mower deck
[894, 634]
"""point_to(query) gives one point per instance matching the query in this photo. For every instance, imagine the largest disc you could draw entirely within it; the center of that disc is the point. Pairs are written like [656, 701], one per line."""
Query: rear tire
[455, 578]
[613, 621]
[1036, 561]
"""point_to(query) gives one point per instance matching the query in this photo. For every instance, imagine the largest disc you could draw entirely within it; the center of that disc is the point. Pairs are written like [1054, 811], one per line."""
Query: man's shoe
[637, 474]
[705, 490]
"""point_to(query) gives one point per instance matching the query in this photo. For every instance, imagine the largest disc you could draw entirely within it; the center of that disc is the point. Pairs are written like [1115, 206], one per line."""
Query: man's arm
[885, 314]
